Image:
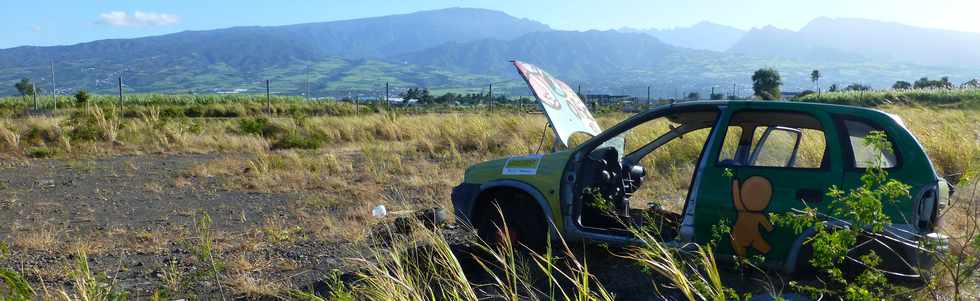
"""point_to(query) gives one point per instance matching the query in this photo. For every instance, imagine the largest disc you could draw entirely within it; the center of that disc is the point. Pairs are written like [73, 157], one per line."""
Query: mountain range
[464, 49]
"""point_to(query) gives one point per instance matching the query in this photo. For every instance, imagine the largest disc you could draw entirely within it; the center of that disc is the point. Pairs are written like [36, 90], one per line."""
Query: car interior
[615, 189]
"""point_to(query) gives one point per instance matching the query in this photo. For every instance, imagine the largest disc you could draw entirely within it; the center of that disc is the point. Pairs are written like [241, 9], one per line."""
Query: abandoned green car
[752, 162]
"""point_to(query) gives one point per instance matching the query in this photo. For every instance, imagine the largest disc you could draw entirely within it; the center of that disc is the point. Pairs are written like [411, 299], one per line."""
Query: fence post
[491, 97]
[34, 93]
[268, 98]
[120, 94]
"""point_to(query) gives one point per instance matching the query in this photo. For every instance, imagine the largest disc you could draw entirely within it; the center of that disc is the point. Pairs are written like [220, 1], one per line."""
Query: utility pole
[491, 97]
[34, 92]
[120, 94]
[268, 98]
[387, 100]
[734, 93]
[54, 88]
[648, 95]
[712, 93]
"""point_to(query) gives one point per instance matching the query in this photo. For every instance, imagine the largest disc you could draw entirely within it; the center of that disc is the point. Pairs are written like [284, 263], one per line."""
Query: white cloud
[137, 19]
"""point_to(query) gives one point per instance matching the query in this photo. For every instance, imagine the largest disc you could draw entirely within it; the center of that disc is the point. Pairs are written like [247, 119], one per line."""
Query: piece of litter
[379, 211]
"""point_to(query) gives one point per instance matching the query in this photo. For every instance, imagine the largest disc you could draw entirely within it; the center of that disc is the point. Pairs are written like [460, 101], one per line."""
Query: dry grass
[251, 286]
[37, 239]
[404, 162]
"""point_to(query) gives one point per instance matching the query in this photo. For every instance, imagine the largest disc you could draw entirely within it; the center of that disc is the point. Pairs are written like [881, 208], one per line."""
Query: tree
[766, 82]
[425, 97]
[926, 83]
[922, 83]
[411, 93]
[805, 93]
[25, 87]
[944, 83]
[857, 87]
[81, 97]
[717, 96]
[815, 78]
[902, 85]
[972, 84]
[693, 96]
[833, 88]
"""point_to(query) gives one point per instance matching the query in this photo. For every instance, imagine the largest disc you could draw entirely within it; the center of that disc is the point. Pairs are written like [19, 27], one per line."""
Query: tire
[805, 269]
[525, 224]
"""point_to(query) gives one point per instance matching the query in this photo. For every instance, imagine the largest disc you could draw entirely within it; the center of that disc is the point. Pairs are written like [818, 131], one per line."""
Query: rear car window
[864, 155]
[789, 140]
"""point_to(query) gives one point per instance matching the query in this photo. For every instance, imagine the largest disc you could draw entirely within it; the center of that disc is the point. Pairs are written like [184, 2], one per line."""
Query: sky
[64, 22]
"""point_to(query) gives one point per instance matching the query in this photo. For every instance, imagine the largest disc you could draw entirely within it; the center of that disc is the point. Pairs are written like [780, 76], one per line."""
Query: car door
[768, 162]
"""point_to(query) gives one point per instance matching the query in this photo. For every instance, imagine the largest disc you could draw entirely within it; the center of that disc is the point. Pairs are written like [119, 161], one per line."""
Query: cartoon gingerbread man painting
[751, 198]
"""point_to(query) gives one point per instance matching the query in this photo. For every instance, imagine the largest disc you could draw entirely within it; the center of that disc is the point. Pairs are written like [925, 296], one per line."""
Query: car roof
[788, 105]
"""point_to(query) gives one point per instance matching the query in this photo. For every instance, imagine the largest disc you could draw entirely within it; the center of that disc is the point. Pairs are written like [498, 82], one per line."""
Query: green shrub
[194, 111]
[82, 97]
[37, 135]
[260, 126]
[14, 287]
[296, 140]
[40, 152]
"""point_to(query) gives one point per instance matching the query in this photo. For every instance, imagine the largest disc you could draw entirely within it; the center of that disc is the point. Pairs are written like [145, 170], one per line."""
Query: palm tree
[815, 77]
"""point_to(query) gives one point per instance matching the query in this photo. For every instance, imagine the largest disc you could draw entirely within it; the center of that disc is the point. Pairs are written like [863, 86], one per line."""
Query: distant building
[607, 98]
[232, 91]
[398, 101]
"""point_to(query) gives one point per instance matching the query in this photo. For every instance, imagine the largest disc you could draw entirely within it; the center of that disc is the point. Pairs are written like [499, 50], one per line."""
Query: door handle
[810, 196]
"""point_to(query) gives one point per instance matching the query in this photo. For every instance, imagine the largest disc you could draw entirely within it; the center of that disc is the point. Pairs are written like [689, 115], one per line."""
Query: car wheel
[526, 227]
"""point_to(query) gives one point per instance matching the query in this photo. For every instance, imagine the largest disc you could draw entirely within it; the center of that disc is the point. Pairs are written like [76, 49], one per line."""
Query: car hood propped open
[565, 110]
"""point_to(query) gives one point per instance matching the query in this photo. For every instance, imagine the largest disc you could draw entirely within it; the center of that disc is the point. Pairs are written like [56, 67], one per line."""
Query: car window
[779, 147]
[864, 155]
[777, 150]
[730, 145]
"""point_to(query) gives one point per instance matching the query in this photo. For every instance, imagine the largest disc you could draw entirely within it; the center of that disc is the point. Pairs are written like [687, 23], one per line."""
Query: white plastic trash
[379, 211]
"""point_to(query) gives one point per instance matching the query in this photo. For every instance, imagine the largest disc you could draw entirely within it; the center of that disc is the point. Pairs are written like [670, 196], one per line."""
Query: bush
[81, 97]
[38, 135]
[297, 140]
[258, 126]
[40, 152]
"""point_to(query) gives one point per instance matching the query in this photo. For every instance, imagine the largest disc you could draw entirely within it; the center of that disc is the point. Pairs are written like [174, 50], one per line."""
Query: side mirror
[780, 135]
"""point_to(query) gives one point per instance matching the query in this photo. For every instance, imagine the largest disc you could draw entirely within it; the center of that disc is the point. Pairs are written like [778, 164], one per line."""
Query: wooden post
[387, 101]
[268, 98]
[120, 94]
[648, 95]
[491, 97]
[34, 93]
[54, 89]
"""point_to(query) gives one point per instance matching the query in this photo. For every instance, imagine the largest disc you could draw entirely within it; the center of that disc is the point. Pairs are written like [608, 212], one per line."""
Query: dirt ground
[136, 218]
[135, 214]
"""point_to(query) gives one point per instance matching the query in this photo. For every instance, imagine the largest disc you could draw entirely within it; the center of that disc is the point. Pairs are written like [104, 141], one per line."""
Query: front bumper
[464, 198]
[929, 246]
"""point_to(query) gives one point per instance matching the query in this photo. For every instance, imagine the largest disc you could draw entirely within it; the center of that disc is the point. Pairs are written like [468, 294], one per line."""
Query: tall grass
[958, 97]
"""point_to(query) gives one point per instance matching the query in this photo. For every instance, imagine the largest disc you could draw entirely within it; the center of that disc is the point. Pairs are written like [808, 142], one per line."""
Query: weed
[41, 152]
[40, 239]
[172, 277]
[295, 139]
[89, 286]
[15, 287]
[258, 126]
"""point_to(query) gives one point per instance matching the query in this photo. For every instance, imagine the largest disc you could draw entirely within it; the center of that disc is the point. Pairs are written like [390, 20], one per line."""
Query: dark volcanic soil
[135, 216]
